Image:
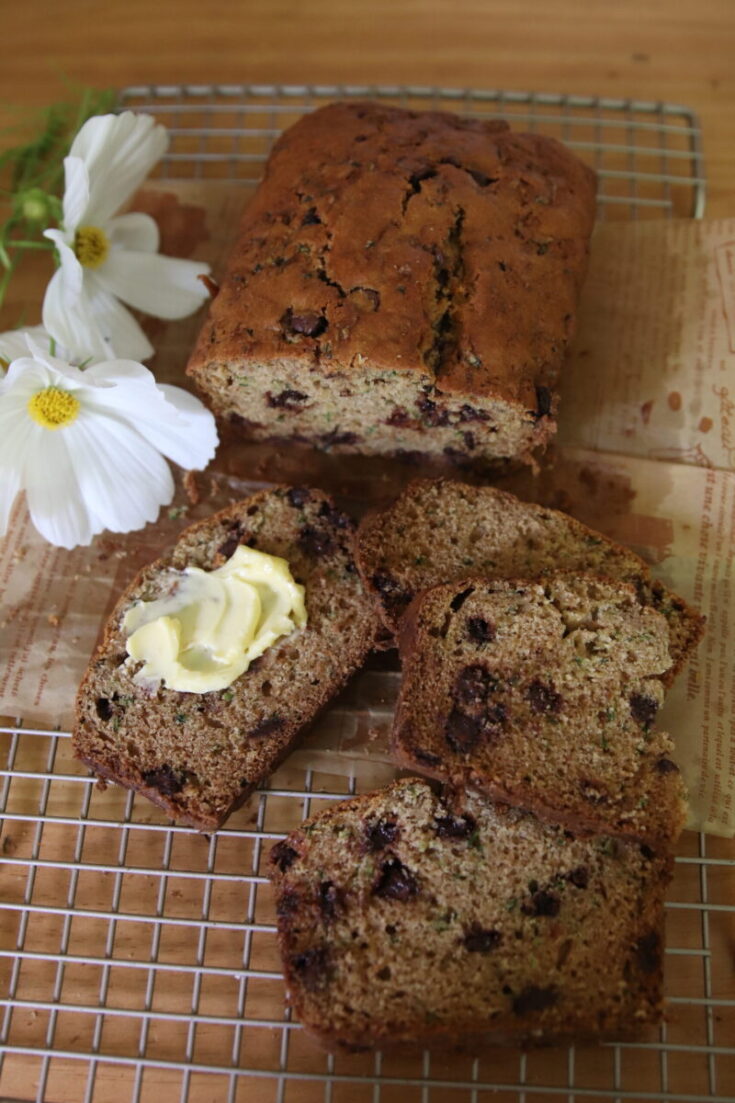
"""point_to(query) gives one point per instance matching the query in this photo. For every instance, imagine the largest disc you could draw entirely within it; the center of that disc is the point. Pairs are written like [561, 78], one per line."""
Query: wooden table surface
[676, 50]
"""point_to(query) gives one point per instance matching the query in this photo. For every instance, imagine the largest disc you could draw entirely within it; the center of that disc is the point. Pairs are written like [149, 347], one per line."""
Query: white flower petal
[18, 437]
[70, 275]
[123, 479]
[174, 422]
[57, 509]
[135, 231]
[95, 326]
[119, 151]
[13, 344]
[165, 287]
[76, 193]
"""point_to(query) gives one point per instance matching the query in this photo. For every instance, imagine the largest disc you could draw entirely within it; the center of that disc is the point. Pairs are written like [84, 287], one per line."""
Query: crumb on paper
[191, 487]
[705, 424]
[674, 400]
[54, 620]
[646, 411]
[20, 553]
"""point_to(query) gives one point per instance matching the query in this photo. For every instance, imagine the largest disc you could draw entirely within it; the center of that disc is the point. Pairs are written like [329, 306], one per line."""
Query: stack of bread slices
[521, 898]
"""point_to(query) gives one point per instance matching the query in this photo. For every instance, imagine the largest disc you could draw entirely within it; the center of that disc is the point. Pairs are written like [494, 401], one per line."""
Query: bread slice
[410, 918]
[543, 694]
[200, 755]
[441, 530]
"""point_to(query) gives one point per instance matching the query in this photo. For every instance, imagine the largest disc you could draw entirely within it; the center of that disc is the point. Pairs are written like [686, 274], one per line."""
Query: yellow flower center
[91, 246]
[53, 408]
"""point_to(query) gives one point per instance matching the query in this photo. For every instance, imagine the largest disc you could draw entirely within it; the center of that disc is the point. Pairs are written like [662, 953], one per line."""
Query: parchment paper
[645, 453]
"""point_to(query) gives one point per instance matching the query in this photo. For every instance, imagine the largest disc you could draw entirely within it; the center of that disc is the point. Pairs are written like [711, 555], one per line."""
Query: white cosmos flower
[87, 446]
[106, 257]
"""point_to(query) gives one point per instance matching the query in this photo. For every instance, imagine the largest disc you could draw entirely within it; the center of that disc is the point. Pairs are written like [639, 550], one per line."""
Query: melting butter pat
[205, 633]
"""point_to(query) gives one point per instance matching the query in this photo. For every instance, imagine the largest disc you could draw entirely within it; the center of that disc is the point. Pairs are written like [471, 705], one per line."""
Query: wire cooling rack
[138, 960]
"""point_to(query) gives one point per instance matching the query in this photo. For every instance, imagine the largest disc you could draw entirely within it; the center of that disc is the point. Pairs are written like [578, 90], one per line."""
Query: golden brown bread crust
[406, 918]
[199, 756]
[446, 252]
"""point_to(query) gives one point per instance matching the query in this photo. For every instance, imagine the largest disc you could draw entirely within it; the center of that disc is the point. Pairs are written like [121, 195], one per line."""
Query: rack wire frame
[138, 961]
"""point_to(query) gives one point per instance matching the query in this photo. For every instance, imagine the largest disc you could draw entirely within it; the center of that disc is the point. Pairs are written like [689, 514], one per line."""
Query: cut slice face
[441, 530]
[543, 694]
[407, 918]
[200, 755]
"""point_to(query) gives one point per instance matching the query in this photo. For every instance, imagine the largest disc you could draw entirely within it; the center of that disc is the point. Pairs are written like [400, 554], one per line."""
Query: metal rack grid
[138, 960]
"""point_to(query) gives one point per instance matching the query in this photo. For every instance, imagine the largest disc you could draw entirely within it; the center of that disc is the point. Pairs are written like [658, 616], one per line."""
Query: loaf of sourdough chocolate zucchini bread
[402, 282]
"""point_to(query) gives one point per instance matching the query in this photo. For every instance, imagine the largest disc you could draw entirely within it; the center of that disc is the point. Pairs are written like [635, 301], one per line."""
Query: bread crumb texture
[404, 918]
[200, 755]
[544, 695]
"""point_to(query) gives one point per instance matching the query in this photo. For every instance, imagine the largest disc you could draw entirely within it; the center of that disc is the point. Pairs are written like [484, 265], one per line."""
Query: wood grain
[675, 50]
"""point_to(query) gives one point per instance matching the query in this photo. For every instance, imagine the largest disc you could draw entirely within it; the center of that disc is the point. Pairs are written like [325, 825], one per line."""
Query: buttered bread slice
[186, 729]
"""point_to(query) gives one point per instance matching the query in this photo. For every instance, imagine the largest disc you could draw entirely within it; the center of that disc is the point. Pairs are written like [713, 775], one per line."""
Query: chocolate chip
[461, 731]
[480, 940]
[286, 400]
[643, 709]
[384, 973]
[395, 595]
[298, 496]
[533, 998]
[399, 418]
[459, 599]
[480, 630]
[542, 903]
[329, 900]
[283, 856]
[544, 698]
[579, 877]
[316, 542]
[666, 766]
[395, 882]
[313, 967]
[381, 834]
[426, 757]
[469, 441]
[469, 413]
[335, 517]
[433, 415]
[473, 685]
[311, 218]
[267, 726]
[647, 853]
[104, 708]
[308, 324]
[229, 547]
[543, 402]
[169, 782]
[454, 827]
[334, 437]
[648, 952]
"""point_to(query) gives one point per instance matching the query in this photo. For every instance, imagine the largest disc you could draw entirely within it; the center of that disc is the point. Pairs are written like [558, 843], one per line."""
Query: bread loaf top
[414, 241]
